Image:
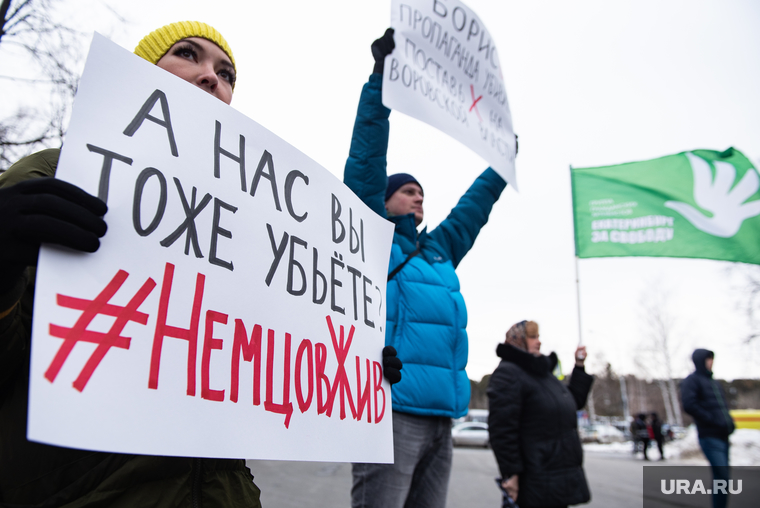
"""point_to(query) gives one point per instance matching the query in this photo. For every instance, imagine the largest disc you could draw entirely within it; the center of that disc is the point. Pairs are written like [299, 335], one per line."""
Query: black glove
[391, 364]
[517, 146]
[45, 210]
[381, 48]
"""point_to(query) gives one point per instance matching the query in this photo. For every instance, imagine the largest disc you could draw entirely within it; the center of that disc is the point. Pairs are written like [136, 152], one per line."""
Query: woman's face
[202, 63]
[532, 340]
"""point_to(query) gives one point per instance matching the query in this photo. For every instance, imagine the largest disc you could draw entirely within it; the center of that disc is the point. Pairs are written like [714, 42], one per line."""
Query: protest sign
[699, 204]
[445, 71]
[235, 306]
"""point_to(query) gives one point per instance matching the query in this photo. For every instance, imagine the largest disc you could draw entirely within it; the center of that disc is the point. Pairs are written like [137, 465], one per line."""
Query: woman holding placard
[36, 208]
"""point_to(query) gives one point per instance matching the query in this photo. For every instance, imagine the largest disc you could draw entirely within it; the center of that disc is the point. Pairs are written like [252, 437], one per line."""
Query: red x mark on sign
[105, 341]
[341, 378]
[475, 102]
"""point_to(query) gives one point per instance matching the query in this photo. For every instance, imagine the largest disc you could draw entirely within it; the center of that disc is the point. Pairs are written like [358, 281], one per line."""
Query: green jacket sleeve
[37, 165]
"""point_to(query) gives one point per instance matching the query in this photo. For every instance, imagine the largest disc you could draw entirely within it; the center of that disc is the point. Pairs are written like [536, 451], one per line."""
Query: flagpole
[577, 278]
[578, 300]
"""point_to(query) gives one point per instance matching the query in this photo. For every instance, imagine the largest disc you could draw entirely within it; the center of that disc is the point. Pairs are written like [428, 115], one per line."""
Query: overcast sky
[589, 83]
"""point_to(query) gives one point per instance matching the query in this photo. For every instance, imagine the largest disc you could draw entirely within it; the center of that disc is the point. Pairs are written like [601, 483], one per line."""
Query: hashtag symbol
[105, 341]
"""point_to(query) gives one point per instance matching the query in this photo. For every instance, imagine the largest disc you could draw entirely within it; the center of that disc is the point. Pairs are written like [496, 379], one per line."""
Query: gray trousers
[419, 477]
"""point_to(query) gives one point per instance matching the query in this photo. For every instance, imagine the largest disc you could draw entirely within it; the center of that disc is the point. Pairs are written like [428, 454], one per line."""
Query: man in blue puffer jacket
[426, 314]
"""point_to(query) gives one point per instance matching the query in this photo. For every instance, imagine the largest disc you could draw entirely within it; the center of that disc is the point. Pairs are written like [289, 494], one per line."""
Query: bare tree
[749, 292]
[39, 57]
[655, 357]
[624, 399]
[606, 394]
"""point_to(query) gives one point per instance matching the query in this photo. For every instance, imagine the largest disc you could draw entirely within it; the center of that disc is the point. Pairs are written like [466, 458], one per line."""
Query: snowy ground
[745, 448]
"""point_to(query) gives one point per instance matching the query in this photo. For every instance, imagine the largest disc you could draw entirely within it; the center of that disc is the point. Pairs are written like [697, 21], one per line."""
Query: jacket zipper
[722, 402]
[195, 487]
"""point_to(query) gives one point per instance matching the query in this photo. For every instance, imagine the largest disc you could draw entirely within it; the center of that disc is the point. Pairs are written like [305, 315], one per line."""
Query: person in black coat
[656, 425]
[703, 398]
[640, 434]
[533, 425]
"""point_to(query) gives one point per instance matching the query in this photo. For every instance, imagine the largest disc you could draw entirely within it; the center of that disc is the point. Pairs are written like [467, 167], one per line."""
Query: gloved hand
[391, 364]
[45, 210]
[381, 48]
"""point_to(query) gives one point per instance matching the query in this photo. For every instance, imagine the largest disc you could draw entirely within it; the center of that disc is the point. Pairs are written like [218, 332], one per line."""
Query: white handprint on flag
[726, 204]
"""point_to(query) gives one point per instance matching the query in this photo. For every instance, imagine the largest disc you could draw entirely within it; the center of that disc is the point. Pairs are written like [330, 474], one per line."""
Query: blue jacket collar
[407, 235]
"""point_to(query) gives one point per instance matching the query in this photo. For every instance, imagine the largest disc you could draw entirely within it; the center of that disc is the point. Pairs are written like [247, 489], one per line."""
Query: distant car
[470, 434]
[585, 432]
[671, 432]
[476, 415]
[624, 427]
[599, 433]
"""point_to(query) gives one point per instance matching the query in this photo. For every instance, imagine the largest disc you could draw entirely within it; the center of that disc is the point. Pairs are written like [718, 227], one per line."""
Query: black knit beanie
[396, 181]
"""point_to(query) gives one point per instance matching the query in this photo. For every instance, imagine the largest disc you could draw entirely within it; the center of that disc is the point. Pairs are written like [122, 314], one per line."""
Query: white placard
[235, 306]
[445, 71]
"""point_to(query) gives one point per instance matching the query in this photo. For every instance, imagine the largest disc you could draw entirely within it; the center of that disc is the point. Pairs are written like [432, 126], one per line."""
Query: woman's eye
[227, 76]
[185, 52]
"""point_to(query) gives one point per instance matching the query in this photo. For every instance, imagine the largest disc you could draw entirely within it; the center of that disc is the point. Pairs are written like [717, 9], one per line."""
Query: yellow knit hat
[155, 45]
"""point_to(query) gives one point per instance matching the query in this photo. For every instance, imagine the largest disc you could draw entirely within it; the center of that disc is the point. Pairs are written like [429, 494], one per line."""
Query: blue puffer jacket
[426, 314]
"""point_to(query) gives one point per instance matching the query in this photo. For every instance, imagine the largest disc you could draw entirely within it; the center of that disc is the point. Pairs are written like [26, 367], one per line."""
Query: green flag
[699, 204]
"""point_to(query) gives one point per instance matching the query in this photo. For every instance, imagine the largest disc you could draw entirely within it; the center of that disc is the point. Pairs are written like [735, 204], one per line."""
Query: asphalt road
[615, 481]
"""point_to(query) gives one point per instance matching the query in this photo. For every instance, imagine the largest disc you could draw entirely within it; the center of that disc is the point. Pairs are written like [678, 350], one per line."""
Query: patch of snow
[624, 447]
[745, 447]
[744, 451]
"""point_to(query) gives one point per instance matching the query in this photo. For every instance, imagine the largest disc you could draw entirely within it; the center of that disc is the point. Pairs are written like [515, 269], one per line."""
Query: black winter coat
[533, 428]
[657, 428]
[703, 398]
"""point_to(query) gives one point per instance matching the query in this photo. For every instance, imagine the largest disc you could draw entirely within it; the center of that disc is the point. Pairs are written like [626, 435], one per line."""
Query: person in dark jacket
[426, 313]
[703, 398]
[533, 425]
[640, 434]
[656, 425]
[36, 208]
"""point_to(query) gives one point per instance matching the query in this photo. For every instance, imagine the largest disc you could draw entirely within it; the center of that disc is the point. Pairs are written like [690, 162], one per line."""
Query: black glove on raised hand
[391, 364]
[381, 48]
[45, 210]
